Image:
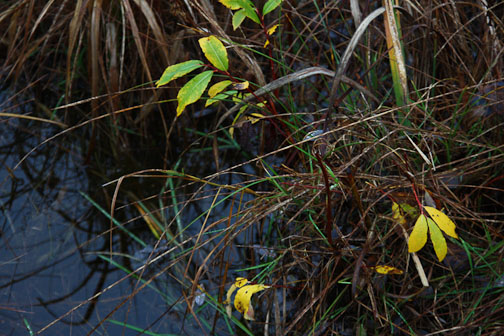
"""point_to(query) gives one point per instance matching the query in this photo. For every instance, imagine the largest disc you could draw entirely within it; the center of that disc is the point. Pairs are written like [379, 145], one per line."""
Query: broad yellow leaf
[438, 240]
[193, 90]
[215, 52]
[418, 236]
[443, 221]
[384, 269]
[218, 88]
[242, 299]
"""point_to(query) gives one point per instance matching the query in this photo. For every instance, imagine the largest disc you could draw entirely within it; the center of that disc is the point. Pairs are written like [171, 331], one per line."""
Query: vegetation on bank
[341, 160]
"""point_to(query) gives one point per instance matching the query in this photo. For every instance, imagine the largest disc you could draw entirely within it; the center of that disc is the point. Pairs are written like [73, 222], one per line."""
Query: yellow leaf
[239, 282]
[443, 221]
[384, 269]
[242, 299]
[218, 88]
[397, 215]
[438, 239]
[271, 31]
[418, 237]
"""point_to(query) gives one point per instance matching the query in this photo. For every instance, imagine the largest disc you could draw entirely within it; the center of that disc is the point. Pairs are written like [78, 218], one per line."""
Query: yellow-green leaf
[438, 240]
[271, 5]
[242, 299]
[231, 4]
[238, 18]
[215, 52]
[217, 88]
[220, 97]
[178, 70]
[193, 90]
[418, 237]
[443, 221]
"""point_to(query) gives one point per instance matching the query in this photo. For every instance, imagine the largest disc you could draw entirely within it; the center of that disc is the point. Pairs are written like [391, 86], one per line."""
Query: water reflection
[50, 237]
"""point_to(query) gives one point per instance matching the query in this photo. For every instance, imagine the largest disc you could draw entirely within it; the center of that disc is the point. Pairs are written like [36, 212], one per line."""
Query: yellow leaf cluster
[243, 297]
[435, 223]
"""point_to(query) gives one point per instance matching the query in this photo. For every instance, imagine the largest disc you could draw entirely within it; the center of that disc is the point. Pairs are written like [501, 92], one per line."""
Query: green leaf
[231, 4]
[250, 11]
[271, 5]
[418, 236]
[215, 52]
[178, 70]
[219, 97]
[438, 240]
[218, 87]
[238, 18]
[193, 90]
[444, 222]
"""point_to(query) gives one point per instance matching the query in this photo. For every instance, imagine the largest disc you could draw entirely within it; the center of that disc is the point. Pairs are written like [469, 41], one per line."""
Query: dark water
[56, 271]
[53, 240]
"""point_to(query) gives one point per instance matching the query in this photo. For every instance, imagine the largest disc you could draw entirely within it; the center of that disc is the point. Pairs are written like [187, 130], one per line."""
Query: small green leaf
[438, 240]
[220, 97]
[443, 221]
[231, 4]
[250, 11]
[418, 236]
[238, 18]
[178, 70]
[193, 90]
[215, 52]
[218, 87]
[271, 5]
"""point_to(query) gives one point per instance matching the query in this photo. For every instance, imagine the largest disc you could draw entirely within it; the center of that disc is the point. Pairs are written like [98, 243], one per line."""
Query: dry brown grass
[451, 146]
